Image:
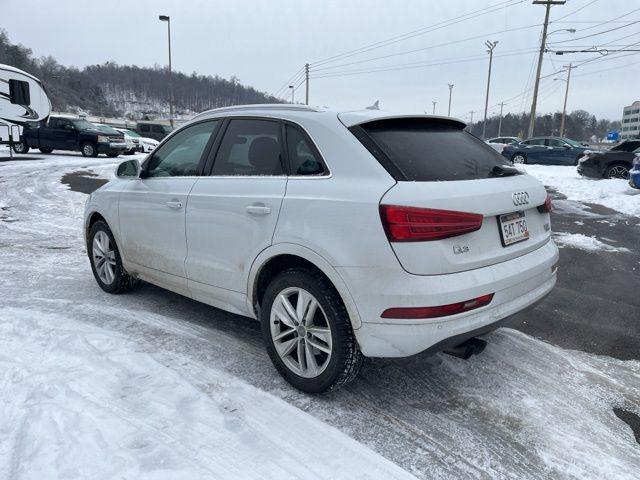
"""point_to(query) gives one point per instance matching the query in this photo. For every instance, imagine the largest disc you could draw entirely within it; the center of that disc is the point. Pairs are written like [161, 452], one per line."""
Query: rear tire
[88, 149]
[106, 262]
[46, 150]
[20, 147]
[617, 170]
[292, 340]
[519, 159]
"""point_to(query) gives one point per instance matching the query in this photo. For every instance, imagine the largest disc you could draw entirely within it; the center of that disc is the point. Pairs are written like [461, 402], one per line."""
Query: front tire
[20, 147]
[88, 149]
[106, 262]
[112, 155]
[307, 332]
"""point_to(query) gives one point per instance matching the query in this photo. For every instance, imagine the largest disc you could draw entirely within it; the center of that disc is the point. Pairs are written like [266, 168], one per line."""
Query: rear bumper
[517, 284]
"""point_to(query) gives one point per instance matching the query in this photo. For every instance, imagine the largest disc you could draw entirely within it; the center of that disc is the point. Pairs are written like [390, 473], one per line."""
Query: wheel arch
[282, 256]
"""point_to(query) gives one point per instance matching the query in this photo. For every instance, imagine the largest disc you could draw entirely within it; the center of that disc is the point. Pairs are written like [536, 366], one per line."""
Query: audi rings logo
[520, 198]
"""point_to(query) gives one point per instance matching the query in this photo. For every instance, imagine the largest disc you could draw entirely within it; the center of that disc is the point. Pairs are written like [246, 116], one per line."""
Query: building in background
[631, 121]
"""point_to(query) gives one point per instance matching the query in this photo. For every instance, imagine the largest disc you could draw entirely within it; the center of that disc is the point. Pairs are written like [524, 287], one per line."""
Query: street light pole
[450, 90]
[166, 18]
[434, 107]
[547, 4]
[292, 90]
[566, 94]
[490, 46]
[500, 122]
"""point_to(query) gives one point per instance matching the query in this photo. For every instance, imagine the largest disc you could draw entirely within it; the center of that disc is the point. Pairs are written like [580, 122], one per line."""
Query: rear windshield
[423, 150]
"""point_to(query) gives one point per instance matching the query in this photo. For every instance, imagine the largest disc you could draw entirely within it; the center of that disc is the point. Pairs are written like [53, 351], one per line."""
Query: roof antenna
[375, 106]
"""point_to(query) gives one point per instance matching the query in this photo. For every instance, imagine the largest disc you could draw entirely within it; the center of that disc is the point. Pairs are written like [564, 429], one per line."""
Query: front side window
[303, 156]
[552, 142]
[19, 92]
[249, 147]
[535, 141]
[180, 155]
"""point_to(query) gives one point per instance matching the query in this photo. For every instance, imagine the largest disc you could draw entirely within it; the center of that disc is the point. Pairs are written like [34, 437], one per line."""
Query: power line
[406, 52]
[420, 31]
[597, 33]
[578, 10]
[607, 69]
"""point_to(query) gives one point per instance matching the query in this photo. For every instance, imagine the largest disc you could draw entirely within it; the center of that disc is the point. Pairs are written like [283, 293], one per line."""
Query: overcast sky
[265, 42]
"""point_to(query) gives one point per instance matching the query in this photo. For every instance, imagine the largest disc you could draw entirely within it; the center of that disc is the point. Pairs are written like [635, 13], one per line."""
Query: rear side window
[422, 150]
[304, 158]
[249, 147]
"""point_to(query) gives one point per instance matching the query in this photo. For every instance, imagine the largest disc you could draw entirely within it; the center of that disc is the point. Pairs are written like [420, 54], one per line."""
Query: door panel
[152, 230]
[229, 221]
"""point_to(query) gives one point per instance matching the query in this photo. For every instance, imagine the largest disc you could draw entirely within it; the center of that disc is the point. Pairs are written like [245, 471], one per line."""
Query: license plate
[513, 228]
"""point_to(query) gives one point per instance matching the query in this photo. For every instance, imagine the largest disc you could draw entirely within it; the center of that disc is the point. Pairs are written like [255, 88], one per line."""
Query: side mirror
[128, 169]
[567, 147]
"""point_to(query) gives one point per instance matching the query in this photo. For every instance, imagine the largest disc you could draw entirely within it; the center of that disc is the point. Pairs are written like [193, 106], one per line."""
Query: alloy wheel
[104, 257]
[519, 159]
[618, 171]
[300, 332]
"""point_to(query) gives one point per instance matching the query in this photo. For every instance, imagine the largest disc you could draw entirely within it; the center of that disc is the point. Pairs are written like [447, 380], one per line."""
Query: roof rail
[264, 106]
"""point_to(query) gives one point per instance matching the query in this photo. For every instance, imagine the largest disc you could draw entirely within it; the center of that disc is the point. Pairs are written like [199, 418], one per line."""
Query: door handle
[174, 204]
[258, 209]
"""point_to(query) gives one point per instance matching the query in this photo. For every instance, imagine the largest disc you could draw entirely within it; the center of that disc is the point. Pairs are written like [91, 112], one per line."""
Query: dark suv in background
[156, 130]
[70, 133]
[614, 163]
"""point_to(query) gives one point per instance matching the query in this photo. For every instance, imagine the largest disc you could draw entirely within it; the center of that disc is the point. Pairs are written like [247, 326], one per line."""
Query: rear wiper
[504, 171]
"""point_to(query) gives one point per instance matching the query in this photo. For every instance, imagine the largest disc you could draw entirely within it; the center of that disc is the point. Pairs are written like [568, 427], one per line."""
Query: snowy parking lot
[151, 385]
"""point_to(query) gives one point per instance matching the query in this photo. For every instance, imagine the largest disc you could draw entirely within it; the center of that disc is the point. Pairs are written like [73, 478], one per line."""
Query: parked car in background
[545, 151]
[155, 130]
[131, 145]
[634, 173]
[71, 133]
[505, 140]
[132, 139]
[145, 144]
[613, 163]
[424, 239]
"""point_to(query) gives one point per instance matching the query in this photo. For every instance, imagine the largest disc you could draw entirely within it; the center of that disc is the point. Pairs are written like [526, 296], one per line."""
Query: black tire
[88, 149]
[112, 155]
[46, 150]
[515, 157]
[20, 147]
[122, 281]
[617, 170]
[346, 359]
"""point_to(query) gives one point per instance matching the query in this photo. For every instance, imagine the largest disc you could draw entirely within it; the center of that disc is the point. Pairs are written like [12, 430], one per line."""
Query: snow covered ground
[153, 385]
[585, 242]
[614, 193]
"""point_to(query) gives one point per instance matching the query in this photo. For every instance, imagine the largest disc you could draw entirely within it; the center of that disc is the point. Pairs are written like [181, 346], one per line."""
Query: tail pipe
[467, 349]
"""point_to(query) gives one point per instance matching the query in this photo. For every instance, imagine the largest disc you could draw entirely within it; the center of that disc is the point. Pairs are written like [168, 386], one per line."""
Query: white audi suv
[346, 234]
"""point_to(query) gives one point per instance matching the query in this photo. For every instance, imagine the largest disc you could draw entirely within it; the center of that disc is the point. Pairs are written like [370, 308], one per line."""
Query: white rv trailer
[22, 99]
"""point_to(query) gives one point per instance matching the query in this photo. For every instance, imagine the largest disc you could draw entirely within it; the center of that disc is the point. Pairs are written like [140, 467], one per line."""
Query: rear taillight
[411, 224]
[547, 206]
[413, 313]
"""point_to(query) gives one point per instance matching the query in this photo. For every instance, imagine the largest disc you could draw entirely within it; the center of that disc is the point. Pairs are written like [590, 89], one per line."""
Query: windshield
[573, 143]
[107, 129]
[84, 125]
[626, 147]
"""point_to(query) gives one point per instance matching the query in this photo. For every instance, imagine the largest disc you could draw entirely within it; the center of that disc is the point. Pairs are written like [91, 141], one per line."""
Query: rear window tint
[422, 150]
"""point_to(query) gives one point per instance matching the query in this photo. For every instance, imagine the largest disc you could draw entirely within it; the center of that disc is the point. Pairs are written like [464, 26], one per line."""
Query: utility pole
[490, 47]
[292, 90]
[306, 81]
[166, 18]
[471, 121]
[500, 122]
[547, 4]
[434, 107]
[450, 90]
[566, 94]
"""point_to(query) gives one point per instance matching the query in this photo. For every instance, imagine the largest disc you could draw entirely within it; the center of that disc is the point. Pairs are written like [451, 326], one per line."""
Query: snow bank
[584, 242]
[614, 193]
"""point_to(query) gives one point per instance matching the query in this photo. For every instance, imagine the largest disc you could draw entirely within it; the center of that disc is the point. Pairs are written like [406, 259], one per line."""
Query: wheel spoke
[301, 355]
[315, 344]
[310, 312]
[283, 315]
[321, 333]
[289, 308]
[285, 348]
[310, 359]
[304, 298]
[283, 333]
